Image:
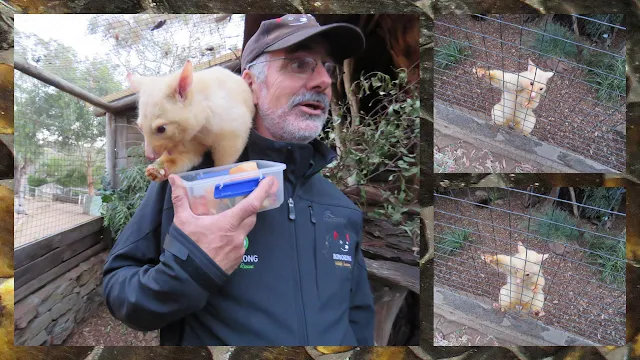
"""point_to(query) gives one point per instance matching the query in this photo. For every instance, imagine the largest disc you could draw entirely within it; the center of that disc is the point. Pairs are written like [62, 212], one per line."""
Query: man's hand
[221, 236]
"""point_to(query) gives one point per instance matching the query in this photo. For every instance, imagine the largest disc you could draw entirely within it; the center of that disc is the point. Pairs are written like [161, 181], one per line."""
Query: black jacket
[303, 279]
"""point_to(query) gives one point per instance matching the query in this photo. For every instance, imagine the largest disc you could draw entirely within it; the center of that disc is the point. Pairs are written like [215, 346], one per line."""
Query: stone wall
[49, 315]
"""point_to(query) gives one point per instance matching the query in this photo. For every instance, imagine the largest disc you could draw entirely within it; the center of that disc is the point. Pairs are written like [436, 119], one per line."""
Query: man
[302, 279]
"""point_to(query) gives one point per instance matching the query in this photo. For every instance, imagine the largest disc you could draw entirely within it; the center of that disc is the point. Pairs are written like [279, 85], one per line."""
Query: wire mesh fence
[60, 154]
[59, 163]
[82, 48]
[560, 78]
[555, 260]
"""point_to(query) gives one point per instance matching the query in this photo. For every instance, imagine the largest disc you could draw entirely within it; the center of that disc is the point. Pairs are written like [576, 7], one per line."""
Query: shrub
[36, 181]
[602, 198]
[601, 72]
[450, 53]
[381, 147]
[453, 240]
[552, 46]
[555, 224]
[610, 256]
[120, 204]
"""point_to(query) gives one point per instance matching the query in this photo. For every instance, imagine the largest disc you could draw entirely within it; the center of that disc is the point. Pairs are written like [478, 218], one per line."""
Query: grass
[453, 240]
[450, 53]
[553, 46]
[602, 198]
[610, 255]
[596, 29]
[562, 231]
[610, 89]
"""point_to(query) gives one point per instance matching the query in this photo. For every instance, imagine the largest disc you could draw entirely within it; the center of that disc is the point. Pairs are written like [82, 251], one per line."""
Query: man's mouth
[312, 107]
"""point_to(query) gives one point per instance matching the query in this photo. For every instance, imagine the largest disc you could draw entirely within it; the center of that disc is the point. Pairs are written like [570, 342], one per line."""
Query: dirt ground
[102, 329]
[576, 298]
[569, 115]
[454, 155]
[450, 333]
[44, 218]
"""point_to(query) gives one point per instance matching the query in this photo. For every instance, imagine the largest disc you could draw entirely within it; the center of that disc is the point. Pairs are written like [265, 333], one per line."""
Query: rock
[481, 197]
[53, 299]
[40, 339]
[62, 331]
[558, 248]
[86, 276]
[65, 305]
[25, 310]
[33, 330]
[90, 285]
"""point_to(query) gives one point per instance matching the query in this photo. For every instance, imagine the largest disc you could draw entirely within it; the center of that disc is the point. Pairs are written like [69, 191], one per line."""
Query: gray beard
[285, 125]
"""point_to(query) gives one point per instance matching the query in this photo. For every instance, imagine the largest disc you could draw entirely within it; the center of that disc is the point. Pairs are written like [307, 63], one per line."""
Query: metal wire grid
[586, 125]
[52, 183]
[576, 298]
[146, 44]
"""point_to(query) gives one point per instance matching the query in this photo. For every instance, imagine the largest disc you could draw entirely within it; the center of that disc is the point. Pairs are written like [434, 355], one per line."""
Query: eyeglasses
[306, 66]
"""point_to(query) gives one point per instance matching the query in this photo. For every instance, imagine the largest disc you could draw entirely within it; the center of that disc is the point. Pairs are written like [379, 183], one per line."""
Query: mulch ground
[576, 300]
[103, 329]
[570, 116]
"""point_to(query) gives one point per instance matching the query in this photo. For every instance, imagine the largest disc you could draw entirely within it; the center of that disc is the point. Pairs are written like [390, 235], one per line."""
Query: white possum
[525, 279]
[520, 95]
[184, 114]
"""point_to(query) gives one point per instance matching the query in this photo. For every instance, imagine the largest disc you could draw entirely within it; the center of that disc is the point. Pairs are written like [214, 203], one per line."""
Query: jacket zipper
[292, 217]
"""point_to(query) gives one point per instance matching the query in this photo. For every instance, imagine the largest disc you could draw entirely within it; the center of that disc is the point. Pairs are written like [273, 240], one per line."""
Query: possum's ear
[544, 256]
[135, 81]
[185, 80]
[532, 67]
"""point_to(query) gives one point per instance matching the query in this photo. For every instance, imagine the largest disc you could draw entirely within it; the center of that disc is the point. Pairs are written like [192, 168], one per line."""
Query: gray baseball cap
[344, 40]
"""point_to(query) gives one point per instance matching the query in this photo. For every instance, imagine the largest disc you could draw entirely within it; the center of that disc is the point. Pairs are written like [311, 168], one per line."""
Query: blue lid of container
[236, 188]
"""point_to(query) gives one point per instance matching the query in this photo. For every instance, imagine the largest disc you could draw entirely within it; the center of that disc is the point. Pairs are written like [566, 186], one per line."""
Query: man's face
[293, 107]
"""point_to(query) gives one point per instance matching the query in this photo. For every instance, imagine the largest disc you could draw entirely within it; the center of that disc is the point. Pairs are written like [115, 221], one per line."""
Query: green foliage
[600, 197]
[596, 29]
[554, 225]
[552, 46]
[610, 89]
[380, 147]
[450, 53]
[453, 240]
[35, 181]
[610, 256]
[119, 205]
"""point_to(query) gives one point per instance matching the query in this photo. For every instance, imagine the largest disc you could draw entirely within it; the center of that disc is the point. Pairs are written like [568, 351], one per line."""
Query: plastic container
[212, 191]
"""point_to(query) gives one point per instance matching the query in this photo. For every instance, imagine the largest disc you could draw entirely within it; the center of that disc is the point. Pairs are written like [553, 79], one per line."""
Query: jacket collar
[303, 160]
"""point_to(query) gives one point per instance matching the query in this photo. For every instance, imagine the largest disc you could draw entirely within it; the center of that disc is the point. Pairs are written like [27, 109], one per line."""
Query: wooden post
[60, 84]
[111, 149]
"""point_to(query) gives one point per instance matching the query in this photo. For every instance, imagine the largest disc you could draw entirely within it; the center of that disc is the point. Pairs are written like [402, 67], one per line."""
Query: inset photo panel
[530, 93]
[530, 266]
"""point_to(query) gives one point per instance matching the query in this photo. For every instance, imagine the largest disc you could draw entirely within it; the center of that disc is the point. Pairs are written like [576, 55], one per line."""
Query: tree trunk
[89, 172]
[21, 182]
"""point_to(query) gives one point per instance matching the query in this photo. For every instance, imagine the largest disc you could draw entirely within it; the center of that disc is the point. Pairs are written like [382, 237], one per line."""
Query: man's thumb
[252, 203]
[178, 194]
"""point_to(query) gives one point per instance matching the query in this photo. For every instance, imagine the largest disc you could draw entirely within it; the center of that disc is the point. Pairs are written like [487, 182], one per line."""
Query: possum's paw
[498, 307]
[480, 72]
[153, 173]
[538, 313]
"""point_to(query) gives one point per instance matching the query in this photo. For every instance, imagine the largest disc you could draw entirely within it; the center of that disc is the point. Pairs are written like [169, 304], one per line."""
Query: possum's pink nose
[149, 153]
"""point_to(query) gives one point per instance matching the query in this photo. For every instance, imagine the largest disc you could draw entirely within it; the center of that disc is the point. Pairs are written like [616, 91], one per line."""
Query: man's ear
[250, 79]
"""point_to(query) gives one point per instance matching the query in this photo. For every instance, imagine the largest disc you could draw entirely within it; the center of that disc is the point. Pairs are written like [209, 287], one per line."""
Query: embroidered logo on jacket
[339, 247]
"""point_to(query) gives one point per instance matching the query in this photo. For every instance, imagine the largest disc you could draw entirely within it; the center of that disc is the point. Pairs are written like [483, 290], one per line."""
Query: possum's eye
[527, 274]
[531, 83]
[541, 88]
[161, 129]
